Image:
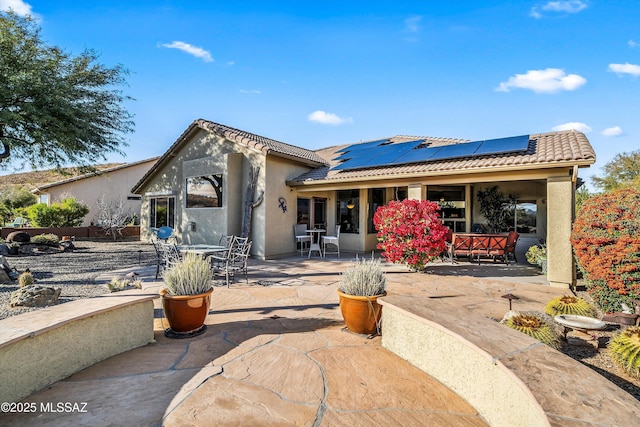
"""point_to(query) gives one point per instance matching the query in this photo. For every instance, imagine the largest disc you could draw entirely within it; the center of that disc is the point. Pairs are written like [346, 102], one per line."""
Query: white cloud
[625, 68]
[582, 127]
[198, 52]
[549, 80]
[251, 91]
[632, 43]
[564, 6]
[327, 118]
[18, 6]
[613, 131]
[412, 25]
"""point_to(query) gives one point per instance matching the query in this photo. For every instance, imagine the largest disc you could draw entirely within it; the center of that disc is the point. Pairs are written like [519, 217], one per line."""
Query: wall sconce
[192, 226]
[350, 204]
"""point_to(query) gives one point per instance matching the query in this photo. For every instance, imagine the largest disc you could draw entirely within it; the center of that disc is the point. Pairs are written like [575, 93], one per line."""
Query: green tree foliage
[68, 213]
[55, 108]
[622, 171]
[582, 194]
[12, 199]
[495, 206]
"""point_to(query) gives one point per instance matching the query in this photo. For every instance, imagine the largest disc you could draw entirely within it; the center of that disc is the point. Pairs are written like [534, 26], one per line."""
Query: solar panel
[363, 145]
[375, 153]
[503, 145]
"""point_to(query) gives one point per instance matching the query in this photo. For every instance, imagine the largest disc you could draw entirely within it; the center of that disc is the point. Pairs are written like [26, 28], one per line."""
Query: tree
[56, 109]
[12, 199]
[495, 206]
[623, 170]
[68, 213]
[113, 217]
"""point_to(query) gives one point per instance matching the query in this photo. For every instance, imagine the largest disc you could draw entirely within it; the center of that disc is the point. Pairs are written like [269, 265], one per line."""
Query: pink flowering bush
[410, 232]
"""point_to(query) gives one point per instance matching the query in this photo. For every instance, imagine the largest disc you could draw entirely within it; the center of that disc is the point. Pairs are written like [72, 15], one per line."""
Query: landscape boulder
[18, 237]
[34, 296]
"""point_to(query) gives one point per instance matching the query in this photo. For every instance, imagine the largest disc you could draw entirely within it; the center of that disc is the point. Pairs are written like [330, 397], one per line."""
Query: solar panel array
[383, 153]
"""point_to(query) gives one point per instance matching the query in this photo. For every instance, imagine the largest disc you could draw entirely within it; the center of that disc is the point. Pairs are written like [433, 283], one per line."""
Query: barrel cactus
[624, 349]
[25, 279]
[536, 327]
[568, 304]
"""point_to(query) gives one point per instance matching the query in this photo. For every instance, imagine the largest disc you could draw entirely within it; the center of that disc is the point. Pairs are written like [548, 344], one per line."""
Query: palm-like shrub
[536, 327]
[410, 232]
[363, 278]
[569, 304]
[624, 349]
[189, 276]
[605, 241]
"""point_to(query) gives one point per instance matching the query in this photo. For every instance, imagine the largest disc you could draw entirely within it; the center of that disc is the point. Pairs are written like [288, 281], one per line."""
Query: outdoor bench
[41, 347]
[477, 246]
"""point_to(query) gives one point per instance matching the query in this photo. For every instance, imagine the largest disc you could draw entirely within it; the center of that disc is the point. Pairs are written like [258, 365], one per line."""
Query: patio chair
[444, 255]
[498, 248]
[302, 238]
[461, 246]
[332, 240]
[480, 247]
[170, 253]
[159, 257]
[512, 240]
[235, 260]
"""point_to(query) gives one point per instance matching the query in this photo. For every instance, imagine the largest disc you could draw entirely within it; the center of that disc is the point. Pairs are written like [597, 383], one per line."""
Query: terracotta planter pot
[186, 313]
[361, 314]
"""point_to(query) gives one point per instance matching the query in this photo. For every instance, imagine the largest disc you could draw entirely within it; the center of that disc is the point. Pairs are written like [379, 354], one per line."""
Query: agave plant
[624, 349]
[536, 327]
[568, 304]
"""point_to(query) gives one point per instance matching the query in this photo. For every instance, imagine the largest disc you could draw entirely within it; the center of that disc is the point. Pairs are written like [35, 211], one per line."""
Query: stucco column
[416, 192]
[560, 263]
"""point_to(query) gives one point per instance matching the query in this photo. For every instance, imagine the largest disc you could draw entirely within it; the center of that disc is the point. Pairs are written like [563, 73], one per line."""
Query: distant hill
[37, 178]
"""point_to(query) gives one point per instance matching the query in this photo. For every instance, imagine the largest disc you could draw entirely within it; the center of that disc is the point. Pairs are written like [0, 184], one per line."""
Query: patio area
[275, 353]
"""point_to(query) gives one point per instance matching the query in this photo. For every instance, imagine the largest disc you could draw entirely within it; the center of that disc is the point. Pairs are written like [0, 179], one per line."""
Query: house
[198, 186]
[112, 185]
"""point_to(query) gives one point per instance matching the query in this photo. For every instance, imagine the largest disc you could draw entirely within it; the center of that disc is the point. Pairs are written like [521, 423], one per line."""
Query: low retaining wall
[41, 347]
[509, 377]
[91, 232]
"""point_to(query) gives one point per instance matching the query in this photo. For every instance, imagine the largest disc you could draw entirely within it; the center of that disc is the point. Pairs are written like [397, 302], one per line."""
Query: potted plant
[360, 287]
[186, 296]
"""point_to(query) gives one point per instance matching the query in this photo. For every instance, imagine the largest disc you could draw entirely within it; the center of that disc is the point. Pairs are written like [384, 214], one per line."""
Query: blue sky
[316, 74]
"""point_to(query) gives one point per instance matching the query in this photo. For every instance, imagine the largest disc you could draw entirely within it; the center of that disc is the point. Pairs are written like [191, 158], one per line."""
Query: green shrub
[363, 278]
[46, 239]
[68, 213]
[606, 244]
[536, 327]
[568, 304]
[624, 349]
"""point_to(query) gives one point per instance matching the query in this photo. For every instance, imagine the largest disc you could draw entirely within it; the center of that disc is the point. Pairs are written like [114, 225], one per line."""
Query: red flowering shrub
[606, 241]
[410, 232]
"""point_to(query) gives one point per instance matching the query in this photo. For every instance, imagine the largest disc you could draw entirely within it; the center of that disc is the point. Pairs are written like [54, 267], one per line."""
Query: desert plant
[189, 276]
[569, 304]
[363, 278]
[25, 279]
[120, 284]
[624, 349]
[536, 327]
[605, 242]
[410, 232]
[494, 205]
[46, 239]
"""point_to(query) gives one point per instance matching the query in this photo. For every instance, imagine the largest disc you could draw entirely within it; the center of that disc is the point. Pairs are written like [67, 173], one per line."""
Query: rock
[34, 296]
[4, 278]
[19, 237]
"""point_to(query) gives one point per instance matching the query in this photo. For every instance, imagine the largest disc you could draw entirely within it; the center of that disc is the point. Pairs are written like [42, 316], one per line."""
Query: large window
[304, 212]
[348, 210]
[522, 217]
[376, 199]
[162, 212]
[204, 191]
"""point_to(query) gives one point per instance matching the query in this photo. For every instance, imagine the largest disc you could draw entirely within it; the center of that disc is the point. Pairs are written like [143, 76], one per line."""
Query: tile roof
[545, 150]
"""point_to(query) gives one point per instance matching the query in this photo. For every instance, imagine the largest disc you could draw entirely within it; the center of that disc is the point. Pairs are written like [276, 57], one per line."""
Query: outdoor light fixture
[350, 204]
[510, 297]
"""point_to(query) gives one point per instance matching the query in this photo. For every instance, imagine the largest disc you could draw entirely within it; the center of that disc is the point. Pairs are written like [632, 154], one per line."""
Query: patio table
[202, 250]
[315, 241]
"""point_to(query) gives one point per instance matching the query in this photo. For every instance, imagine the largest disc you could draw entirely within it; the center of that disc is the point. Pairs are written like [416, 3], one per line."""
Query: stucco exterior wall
[112, 186]
[560, 202]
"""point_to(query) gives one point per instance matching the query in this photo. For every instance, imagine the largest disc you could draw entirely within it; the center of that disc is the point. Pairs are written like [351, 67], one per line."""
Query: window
[162, 212]
[376, 199]
[303, 212]
[348, 210]
[522, 218]
[204, 191]
[452, 205]
[44, 198]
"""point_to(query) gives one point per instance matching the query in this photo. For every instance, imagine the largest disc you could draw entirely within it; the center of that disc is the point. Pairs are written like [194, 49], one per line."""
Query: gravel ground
[75, 272]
